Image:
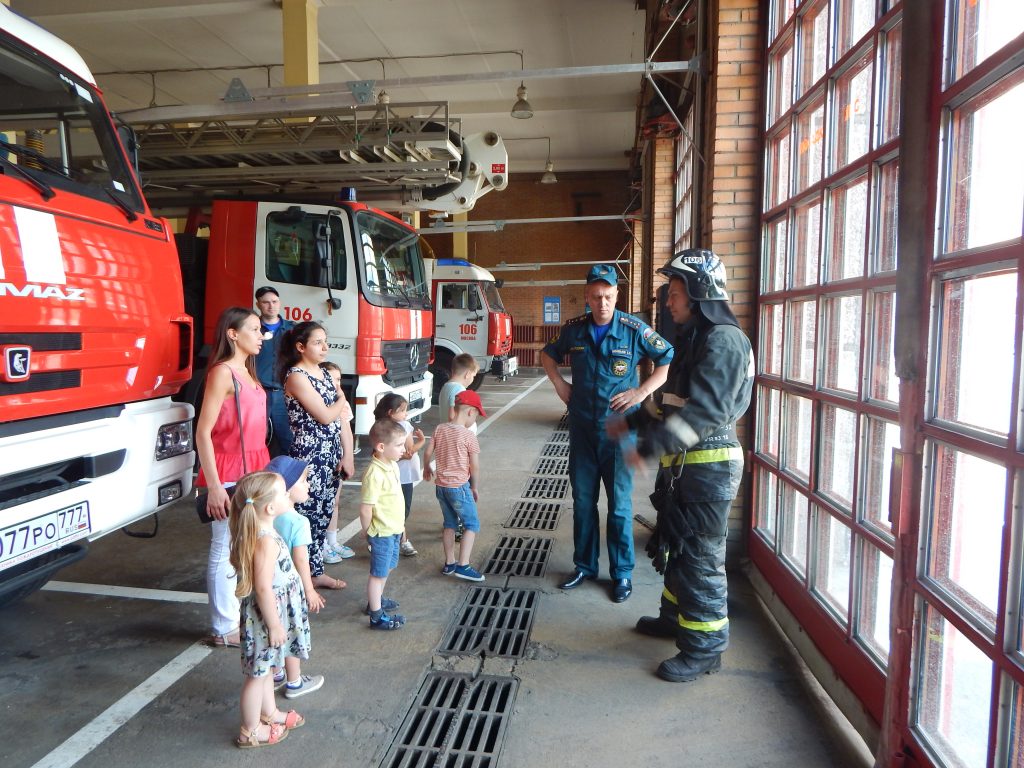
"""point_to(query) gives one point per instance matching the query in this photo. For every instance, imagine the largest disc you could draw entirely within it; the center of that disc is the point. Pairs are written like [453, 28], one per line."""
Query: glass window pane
[953, 695]
[856, 17]
[781, 11]
[793, 519]
[813, 45]
[849, 224]
[987, 173]
[810, 134]
[781, 71]
[879, 439]
[976, 350]
[838, 456]
[873, 591]
[982, 28]
[892, 53]
[770, 354]
[767, 505]
[886, 188]
[800, 341]
[807, 228]
[1013, 728]
[779, 171]
[966, 499]
[776, 246]
[853, 111]
[797, 457]
[883, 383]
[841, 343]
[769, 409]
[831, 577]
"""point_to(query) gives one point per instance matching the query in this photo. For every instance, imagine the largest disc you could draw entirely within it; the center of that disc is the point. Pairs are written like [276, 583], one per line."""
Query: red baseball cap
[469, 397]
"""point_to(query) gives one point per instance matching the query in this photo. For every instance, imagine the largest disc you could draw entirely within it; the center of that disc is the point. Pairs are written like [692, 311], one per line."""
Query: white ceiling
[590, 120]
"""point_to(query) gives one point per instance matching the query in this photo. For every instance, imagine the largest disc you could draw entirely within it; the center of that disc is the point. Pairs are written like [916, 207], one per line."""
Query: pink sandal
[277, 732]
[292, 719]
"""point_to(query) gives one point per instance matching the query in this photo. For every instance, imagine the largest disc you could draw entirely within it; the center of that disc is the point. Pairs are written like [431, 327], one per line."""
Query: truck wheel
[442, 370]
[475, 384]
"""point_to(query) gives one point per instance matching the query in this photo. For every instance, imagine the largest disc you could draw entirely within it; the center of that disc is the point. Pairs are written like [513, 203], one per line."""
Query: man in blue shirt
[268, 300]
[604, 348]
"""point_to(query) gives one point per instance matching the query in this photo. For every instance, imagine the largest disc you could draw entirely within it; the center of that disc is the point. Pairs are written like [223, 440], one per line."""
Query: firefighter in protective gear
[604, 348]
[701, 463]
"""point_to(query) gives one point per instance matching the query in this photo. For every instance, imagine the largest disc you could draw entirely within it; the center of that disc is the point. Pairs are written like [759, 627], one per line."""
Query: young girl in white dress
[274, 622]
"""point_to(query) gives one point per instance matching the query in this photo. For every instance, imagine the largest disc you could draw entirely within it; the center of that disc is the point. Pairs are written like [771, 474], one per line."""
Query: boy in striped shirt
[456, 453]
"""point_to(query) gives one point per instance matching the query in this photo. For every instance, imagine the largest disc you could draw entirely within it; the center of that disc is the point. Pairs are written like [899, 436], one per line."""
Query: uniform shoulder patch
[630, 321]
[577, 320]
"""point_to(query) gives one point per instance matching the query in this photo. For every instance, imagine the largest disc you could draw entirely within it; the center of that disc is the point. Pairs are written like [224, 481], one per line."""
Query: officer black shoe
[682, 669]
[622, 590]
[655, 626]
[575, 580]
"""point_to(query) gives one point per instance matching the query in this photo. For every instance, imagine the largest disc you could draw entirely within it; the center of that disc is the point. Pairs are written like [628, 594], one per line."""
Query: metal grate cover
[534, 515]
[557, 450]
[492, 622]
[559, 436]
[456, 720]
[546, 488]
[549, 466]
[563, 423]
[519, 556]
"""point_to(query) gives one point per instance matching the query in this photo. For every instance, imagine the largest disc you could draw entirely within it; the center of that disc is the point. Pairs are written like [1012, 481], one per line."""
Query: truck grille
[51, 380]
[406, 361]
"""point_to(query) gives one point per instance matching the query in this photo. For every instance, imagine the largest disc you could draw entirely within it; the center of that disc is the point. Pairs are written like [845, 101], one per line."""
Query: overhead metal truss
[284, 152]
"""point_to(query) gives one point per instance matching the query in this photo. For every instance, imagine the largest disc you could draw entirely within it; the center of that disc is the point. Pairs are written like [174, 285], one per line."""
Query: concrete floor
[116, 681]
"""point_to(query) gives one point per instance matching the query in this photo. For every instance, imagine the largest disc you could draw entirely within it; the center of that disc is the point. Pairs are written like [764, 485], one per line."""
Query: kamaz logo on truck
[35, 291]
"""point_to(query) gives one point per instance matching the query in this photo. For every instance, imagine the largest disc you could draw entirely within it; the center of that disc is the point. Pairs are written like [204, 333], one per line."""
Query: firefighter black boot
[655, 626]
[683, 669]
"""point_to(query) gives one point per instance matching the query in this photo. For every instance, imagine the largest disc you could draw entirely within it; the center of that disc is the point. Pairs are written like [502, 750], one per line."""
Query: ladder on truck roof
[188, 155]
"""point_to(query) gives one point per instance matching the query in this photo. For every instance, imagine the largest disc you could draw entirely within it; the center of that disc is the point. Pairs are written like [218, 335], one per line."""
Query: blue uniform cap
[603, 272]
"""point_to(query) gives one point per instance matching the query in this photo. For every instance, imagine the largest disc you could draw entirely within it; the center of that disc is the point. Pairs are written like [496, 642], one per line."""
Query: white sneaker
[332, 555]
[408, 549]
[308, 684]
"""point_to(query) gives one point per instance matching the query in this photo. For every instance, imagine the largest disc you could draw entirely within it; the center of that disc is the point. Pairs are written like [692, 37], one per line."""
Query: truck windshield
[493, 297]
[54, 128]
[391, 259]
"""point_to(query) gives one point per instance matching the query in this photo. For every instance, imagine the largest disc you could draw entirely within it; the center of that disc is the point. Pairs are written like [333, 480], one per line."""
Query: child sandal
[292, 719]
[277, 732]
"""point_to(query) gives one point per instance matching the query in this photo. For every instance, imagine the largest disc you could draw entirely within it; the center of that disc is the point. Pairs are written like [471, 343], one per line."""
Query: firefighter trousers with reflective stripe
[695, 598]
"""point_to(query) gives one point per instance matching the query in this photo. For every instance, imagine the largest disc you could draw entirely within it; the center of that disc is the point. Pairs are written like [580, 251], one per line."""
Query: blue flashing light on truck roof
[453, 263]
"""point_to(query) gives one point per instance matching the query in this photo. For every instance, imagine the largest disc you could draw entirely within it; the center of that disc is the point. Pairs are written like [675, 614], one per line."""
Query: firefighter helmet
[702, 271]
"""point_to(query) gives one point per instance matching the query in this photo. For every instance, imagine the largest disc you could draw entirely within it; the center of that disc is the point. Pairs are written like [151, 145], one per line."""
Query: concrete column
[301, 49]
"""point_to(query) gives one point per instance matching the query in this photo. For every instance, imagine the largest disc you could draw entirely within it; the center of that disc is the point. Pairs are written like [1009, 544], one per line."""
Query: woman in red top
[219, 440]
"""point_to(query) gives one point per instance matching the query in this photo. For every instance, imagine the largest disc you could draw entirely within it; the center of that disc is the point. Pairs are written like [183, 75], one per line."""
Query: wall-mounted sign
[552, 310]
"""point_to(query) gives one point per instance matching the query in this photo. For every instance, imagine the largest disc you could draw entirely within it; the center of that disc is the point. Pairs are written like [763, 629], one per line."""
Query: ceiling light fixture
[549, 168]
[521, 109]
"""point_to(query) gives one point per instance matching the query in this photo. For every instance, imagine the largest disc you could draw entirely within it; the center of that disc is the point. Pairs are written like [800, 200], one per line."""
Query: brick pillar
[662, 208]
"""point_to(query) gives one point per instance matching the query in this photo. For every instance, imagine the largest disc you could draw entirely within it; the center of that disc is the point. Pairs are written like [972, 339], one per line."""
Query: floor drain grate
[550, 466]
[534, 515]
[559, 436]
[556, 450]
[546, 488]
[455, 720]
[494, 622]
[563, 423]
[519, 556]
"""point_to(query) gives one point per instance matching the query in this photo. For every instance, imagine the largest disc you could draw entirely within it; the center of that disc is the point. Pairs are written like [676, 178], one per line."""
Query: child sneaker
[387, 622]
[467, 572]
[449, 569]
[408, 549]
[279, 680]
[307, 684]
[334, 555]
[386, 604]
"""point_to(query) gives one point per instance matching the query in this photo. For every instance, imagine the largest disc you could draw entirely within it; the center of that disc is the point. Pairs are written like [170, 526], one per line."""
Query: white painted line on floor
[106, 590]
[124, 709]
[507, 406]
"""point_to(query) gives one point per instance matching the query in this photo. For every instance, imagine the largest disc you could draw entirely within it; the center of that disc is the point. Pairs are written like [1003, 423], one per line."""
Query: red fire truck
[355, 270]
[94, 339]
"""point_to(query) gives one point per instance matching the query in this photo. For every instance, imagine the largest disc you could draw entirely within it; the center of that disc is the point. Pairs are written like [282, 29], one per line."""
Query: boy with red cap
[456, 452]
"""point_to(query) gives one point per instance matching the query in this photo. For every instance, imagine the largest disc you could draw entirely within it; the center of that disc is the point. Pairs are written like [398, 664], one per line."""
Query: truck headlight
[173, 440]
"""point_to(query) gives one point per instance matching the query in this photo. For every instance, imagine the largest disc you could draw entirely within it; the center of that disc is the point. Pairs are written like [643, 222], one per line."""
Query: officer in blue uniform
[709, 387]
[268, 300]
[604, 348]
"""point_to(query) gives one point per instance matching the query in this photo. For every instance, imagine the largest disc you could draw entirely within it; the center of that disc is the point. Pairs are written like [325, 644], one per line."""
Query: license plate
[415, 400]
[513, 364]
[23, 541]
